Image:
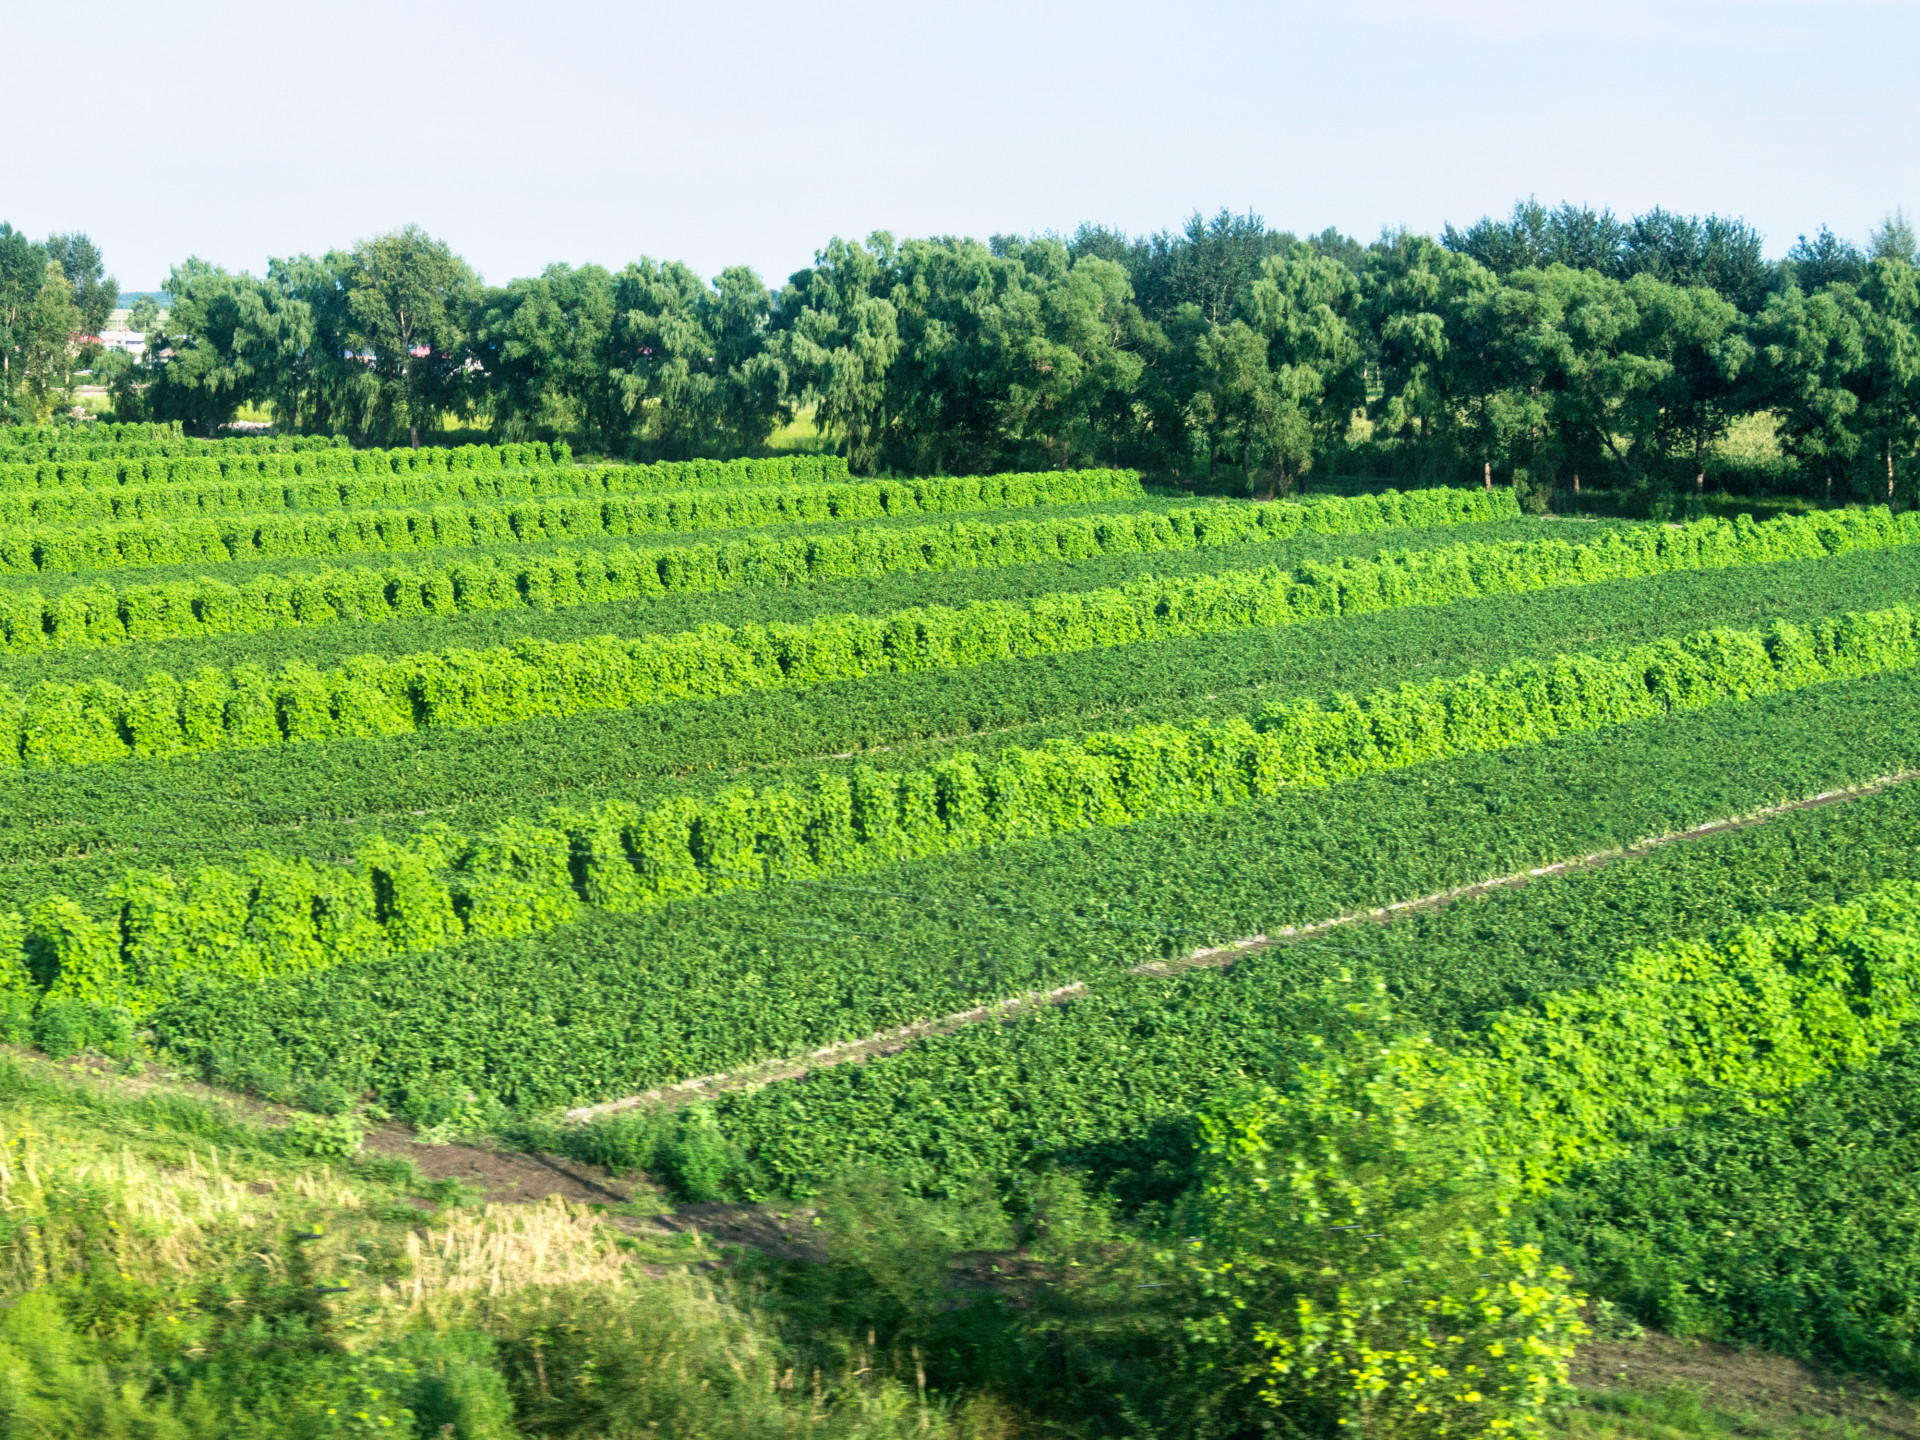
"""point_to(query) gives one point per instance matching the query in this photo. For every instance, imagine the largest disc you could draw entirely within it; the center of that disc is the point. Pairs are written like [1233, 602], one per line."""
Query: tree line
[1550, 344]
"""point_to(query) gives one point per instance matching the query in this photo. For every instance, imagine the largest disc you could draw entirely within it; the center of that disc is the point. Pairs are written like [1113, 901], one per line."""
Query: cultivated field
[491, 791]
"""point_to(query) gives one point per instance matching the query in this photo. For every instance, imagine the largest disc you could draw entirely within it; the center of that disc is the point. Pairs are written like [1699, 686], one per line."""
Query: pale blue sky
[752, 132]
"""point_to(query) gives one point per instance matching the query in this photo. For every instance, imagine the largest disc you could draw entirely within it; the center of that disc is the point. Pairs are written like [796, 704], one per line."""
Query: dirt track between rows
[887, 1042]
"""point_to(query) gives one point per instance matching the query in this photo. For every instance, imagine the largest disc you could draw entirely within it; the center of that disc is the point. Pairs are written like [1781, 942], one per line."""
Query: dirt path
[888, 1042]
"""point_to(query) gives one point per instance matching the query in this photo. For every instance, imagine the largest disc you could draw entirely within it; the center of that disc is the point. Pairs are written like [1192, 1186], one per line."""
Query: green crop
[138, 543]
[465, 688]
[286, 917]
[101, 615]
[615, 1003]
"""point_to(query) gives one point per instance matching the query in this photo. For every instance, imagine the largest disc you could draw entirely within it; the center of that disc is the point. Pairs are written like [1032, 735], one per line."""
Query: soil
[1761, 1391]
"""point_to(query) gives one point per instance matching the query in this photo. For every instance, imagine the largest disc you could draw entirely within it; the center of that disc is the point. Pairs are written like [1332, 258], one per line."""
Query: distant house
[134, 342]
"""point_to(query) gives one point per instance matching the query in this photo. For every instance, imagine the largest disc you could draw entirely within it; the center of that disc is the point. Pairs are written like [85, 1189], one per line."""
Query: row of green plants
[135, 489]
[239, 492]
[72, 829]
[1788, 1228]
[1109, 1085]
[96, 721]
[615, 1004]
[110, 465]
[111, 434]
[34, 548]
[102, 614]
[292, 916]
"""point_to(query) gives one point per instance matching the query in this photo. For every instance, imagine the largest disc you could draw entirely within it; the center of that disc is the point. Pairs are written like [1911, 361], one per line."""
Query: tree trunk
[1829, 491]
[1488, 474]
[413, 434]
[1576, 482]
[1700, 482]
[1889, 474]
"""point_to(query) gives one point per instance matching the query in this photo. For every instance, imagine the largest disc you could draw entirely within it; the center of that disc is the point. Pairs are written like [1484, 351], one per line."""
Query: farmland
[469, 788]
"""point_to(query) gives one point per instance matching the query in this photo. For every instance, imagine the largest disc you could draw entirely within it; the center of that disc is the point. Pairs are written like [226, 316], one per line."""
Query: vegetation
[1312, 956]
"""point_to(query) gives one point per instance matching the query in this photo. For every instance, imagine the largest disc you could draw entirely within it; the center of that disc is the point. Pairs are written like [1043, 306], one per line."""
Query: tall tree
[95, 293]
[839, 337]
[23, 271]
[409, 299]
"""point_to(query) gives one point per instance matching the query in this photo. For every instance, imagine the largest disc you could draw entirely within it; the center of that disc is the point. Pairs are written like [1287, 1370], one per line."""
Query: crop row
[105, 442]
[129, 490]
[1791, 1231]
[59, 467]
[615, 1004]
[186, 541]
[96, 721]
[72, 830]
[1111, 1082]
[100, 614]
[521, 878]
[241, 494]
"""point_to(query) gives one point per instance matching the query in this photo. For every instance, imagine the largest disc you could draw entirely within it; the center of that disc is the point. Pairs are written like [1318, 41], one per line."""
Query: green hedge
[284, 916]
[65, 724]
[1736, 1023]
[67, 493]
[129, 462]
[239, 492]
[171, 542]
[100, 614]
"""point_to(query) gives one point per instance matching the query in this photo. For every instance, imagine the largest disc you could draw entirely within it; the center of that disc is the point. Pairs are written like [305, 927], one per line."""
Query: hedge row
[240, 494]
[91, 722]
[100, 614]
[47, 488]
[283, 916]
[1738, 1022]
[107, 435]
[171, 542]
[129, 463]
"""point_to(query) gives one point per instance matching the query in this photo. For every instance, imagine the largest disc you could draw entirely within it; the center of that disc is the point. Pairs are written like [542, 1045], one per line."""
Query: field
[954, 857]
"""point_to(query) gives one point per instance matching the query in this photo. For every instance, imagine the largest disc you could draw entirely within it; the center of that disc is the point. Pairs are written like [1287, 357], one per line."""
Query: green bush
[369, 695]
[290, 917]
[37, 546]
[97, 614]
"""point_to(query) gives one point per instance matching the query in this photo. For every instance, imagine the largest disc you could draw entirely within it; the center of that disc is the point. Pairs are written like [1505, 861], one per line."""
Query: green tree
[839, 338]
[95, 293]
[1351, 1258]
[200, 374]
[1811, 350]
[409, 298]
[23, 271]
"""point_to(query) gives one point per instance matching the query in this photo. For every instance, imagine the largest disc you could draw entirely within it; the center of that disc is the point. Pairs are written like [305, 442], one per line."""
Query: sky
[751, 133]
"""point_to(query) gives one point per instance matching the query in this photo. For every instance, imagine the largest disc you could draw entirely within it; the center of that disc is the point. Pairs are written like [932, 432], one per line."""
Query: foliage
[371, 695]
[99, 614]
[35, 547]
[1785, 1228]
[1353, 1259]
[738, 977]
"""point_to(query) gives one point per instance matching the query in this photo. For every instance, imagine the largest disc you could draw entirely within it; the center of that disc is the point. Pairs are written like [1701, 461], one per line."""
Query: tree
[839, 338]
[1888, 383]
[1304, 304]
[544, 343]
[1437, 351]
[23, 270]
[1811, 351]
[408, 298]
[201, 374]
[1824, 260]
[1351, 1258]
[95, 293]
